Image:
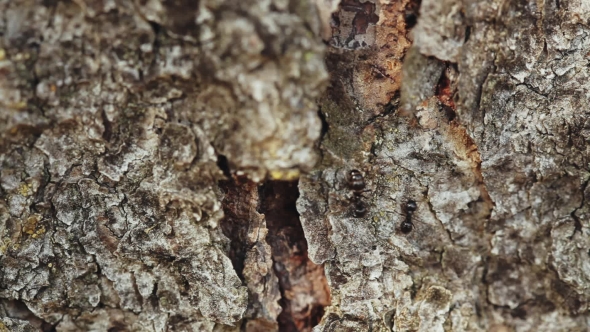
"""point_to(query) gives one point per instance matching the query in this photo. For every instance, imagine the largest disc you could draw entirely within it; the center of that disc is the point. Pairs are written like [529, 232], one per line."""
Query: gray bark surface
[499, 174]
[113, 114]
[149, 153]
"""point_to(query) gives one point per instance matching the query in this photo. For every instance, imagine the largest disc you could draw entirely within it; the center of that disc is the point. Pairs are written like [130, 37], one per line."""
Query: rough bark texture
[494, 150]
[113, 115]
[149, 152]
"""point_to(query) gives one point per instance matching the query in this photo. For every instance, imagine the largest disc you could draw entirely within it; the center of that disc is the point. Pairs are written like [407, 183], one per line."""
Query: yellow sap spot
[285, 175]
[148, 230]
[21, 105]
[4, 246]
[2, 54]
[30, 225]
[50, 264]
[24, 190]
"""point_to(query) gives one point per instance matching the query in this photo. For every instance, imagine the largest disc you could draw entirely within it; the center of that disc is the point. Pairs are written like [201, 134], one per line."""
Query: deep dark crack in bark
[297, 274]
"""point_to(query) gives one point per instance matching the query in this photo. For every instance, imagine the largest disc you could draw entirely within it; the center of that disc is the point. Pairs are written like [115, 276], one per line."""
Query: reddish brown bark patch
[364, 14]
[369, 42]
[465, 147]
[444, 91]
[304, 288]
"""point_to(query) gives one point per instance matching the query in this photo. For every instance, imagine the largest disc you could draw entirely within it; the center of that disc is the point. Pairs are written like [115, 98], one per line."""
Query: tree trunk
[164, 166]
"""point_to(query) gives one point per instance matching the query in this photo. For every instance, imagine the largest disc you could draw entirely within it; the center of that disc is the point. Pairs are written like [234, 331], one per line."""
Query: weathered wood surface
[119, 119]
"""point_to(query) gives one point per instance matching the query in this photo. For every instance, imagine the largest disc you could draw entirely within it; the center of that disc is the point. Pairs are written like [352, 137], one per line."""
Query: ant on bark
[356, 182]
[410, 207]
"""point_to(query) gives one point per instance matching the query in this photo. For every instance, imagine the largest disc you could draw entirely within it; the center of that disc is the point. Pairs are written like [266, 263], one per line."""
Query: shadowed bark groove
[303, 285]
[263, 226]
[250, 253]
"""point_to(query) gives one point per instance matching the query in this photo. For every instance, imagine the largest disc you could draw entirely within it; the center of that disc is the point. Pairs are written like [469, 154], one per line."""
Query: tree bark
[494, 150]
[115, 116]
[164, 166]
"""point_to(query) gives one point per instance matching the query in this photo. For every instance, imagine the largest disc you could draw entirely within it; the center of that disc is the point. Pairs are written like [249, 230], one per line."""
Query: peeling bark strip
[112, 114]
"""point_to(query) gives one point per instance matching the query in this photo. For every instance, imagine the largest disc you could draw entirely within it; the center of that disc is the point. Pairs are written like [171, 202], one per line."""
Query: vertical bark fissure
[297, 275]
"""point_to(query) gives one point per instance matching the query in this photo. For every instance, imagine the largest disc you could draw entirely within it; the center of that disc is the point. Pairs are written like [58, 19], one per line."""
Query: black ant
[360, 209]
[407, 225]
[356, 182]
